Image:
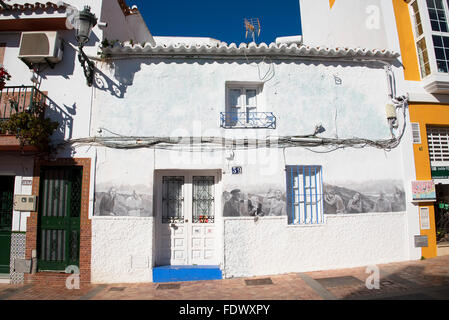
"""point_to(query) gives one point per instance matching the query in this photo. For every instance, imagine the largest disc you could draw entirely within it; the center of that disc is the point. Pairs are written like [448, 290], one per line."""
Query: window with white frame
[305, 195]
[431, 31]
[242, 104]
[420, 39]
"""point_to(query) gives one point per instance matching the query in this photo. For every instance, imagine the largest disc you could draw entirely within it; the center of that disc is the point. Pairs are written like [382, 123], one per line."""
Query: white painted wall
[176, 97]
[71, 99]
[186, 41]
[191, 95]
[22, 169]
[121, 27]
[268, 246]
[122, 250]
[183, 97]
[334, 27]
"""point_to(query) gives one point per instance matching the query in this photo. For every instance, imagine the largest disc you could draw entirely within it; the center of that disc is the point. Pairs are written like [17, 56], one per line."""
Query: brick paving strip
[416, 291]
[397, 278]
[317, 287]
[399, 281]
[92, 293]
[420, 293]
[13, 291]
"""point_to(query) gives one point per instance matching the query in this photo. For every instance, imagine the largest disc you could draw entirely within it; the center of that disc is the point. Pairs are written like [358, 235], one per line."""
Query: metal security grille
[247, 120]
[6, 209]
[203, 199]
[305, 194]
[6, 202]
[59, 217]
[438, 140]
[172, 200]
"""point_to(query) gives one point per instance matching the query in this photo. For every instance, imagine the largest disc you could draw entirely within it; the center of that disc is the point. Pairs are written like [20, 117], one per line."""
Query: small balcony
[16, 99]
[247, 120]
[21, 98]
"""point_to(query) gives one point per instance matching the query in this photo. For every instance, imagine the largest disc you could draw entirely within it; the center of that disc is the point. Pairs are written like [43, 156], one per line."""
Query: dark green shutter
[6, 208]
[59, 218]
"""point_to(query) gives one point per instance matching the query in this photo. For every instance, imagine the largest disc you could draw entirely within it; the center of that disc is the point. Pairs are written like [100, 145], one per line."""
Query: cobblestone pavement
[426, 279]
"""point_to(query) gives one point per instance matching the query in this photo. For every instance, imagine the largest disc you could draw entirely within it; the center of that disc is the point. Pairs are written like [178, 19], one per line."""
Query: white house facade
[206, 160]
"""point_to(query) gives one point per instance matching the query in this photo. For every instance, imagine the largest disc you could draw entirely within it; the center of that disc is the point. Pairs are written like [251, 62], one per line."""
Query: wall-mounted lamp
[84, 23]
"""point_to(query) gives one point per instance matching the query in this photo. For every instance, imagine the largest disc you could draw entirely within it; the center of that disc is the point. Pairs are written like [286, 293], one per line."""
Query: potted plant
[4, 76]
[30, 128]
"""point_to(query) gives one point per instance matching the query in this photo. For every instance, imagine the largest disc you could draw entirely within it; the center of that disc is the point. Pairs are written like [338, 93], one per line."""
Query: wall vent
[416, 133]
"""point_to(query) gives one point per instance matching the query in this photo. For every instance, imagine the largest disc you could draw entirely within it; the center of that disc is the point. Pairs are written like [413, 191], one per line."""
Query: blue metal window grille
[247, 120]
[305, 195]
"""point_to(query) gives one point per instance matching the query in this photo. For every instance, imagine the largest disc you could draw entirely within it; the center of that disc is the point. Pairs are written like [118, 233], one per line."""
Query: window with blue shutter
[305, 195]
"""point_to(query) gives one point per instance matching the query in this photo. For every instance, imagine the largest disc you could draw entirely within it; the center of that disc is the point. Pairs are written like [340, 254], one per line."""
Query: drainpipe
[33, 262]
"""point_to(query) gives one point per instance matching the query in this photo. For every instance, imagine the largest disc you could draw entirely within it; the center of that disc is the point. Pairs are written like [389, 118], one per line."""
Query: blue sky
[222, 20]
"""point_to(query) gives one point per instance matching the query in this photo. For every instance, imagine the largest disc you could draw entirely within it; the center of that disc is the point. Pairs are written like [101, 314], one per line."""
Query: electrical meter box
[25, 203]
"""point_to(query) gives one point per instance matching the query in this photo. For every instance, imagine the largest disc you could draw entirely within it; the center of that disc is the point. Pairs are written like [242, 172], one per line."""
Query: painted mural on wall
[239, 203]
[345, 198]
[118, 202]
[373, 196]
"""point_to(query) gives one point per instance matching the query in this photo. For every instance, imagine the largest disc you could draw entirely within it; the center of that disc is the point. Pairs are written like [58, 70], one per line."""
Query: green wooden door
[6, 208]
[59, 217]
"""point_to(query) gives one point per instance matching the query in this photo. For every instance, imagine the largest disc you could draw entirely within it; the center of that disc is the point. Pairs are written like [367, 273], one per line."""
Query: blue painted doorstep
[186, 273]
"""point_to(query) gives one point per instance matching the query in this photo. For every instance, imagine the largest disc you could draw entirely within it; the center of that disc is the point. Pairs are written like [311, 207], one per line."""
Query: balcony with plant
[23, 125]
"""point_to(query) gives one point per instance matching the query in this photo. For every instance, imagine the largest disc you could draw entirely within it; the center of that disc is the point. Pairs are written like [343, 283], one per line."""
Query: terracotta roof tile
[252, 49]
[32, 7]
[126, 9]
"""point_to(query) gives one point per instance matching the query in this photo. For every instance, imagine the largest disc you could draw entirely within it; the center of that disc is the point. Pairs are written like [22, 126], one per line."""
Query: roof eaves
[32, 7]
[126, 9]
[252, 49]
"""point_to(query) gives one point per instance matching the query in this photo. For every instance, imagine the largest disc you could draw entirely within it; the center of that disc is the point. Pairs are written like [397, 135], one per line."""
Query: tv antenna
[252, 27]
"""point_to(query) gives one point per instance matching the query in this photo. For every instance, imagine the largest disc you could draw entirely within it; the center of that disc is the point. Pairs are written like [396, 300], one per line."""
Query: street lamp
[84, 23]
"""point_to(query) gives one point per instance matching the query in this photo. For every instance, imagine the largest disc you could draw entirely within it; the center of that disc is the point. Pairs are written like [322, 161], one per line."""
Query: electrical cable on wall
[210, 144]
[195, 144]
[271, 68]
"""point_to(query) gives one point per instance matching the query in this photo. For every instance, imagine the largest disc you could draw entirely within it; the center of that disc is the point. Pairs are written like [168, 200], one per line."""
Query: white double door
[187, 203]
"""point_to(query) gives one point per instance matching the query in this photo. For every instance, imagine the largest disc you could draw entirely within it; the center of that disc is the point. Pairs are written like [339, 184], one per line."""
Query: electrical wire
[195, 144]
[211, 144]
[202, 144]
[270, 68]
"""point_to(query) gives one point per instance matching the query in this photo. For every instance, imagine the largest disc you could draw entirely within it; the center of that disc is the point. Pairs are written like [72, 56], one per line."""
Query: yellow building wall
[427, 114]
[424, 114]
[406, 40]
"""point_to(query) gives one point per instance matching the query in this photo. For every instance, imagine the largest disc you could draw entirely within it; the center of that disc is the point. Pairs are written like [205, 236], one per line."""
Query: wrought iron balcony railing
[247, 120]
[15, 99]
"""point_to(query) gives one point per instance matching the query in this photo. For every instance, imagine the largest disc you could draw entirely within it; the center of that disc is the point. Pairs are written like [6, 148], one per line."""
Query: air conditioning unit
[40, 47]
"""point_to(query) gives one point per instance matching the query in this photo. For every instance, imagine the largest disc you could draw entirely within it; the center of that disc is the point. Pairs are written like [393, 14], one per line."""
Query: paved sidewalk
[427, 279]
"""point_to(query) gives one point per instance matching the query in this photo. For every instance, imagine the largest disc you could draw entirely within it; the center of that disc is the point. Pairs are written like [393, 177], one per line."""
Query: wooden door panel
[59, 217]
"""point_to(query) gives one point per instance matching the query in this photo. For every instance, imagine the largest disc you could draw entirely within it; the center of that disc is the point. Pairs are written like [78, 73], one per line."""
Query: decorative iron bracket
[5, 6]
[88, 66]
